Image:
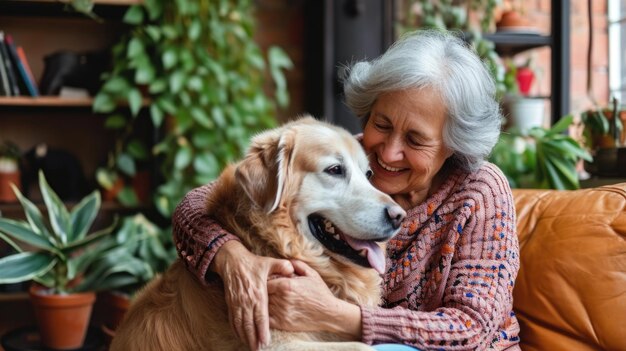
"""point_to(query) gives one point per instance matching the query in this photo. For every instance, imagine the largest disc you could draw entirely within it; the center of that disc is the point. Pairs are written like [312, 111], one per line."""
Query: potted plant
[66, 263]
[540, 158]
[522, 110]
[198, 64]
[146, 242]
[9, 170]
[604, 135]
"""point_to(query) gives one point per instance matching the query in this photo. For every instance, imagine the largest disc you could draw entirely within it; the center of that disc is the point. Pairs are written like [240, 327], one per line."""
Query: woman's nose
[393, 150]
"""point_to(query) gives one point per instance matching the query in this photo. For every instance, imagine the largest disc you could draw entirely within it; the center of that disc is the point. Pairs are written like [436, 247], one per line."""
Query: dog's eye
[369, 174]
[336, 170]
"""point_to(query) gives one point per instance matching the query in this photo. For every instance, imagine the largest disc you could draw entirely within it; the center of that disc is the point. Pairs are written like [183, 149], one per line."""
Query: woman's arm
[206, 247]
[197, 236]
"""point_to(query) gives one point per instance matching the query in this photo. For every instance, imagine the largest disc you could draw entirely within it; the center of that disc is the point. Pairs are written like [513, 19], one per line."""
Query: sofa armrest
[570, 293]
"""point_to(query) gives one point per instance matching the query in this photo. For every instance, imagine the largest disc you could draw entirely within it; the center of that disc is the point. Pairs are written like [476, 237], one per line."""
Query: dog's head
[319, 174]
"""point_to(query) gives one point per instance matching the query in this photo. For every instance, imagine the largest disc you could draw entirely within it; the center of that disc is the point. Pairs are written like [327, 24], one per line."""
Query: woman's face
[404, 140]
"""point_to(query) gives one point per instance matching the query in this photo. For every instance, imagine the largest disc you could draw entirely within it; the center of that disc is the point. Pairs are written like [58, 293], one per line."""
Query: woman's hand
[245, 278]
[304, 303]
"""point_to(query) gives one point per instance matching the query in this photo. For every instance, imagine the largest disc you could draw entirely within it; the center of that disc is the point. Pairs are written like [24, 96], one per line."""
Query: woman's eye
[369, 174]
[334, 170]
[381, 126]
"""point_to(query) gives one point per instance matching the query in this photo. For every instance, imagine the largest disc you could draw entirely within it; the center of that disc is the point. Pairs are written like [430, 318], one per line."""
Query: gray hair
[442, 61]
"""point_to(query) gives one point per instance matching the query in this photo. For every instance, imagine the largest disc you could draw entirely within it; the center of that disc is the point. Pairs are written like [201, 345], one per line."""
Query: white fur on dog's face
[335, 194]
[319, 174]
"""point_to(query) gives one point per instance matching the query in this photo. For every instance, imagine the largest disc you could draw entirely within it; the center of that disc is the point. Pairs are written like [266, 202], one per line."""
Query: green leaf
[115, 85]
[144, 74]
[24, 266]
[206, 163]
[32, 213]
[154, 32]
[90, 239]
[58, 214]
[127, 197]
[199, 115]
[137, 150]
[278, 58]
[176, 82]
[83, 215]
[562, 124]
[116, 121]
[169, 58]
[183, 158]
[135, 48]
[156, 114]
[134, 101]
[11, 243]
[158, 86]
[103, 103]
[126, 164]
[218, 116]
[154, 7]
[195, 29]
[134, 15]
[106, 178]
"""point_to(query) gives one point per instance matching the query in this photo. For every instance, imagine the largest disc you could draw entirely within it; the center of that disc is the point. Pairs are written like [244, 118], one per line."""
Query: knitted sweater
[450, 271]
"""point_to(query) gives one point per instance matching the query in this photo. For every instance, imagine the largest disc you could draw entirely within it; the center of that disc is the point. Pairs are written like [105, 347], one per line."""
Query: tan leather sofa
[570, 293]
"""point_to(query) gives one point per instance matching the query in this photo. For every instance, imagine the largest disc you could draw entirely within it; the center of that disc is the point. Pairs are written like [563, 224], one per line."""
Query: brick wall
[280, 22]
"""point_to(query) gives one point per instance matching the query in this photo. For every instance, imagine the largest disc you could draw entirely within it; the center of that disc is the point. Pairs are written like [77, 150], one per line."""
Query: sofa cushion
[570, 293]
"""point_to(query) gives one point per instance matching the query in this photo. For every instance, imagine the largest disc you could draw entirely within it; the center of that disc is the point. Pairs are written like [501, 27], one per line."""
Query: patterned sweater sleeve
[197, 236]
[475, 311]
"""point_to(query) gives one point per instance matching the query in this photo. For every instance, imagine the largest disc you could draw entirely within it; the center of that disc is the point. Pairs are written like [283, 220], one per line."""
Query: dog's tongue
[375, 255]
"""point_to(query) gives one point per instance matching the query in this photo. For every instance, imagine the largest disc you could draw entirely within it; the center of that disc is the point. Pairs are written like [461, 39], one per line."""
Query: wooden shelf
[96, 2]
[45, 101]
[509, 44]
[13, 296]
[50, 101]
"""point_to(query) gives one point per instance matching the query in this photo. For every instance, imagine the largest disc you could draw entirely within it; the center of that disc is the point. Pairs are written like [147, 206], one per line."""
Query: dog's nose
[395, 215]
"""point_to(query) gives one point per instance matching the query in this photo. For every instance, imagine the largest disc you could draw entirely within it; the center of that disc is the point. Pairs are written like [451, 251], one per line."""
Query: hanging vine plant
[457, 15]
[204, 77]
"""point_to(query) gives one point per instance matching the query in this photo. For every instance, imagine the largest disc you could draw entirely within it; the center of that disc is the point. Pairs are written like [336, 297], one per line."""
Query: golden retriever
[301, 192]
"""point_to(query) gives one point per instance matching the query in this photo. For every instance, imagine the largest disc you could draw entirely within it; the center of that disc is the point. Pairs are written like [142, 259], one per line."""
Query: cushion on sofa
[570, 293]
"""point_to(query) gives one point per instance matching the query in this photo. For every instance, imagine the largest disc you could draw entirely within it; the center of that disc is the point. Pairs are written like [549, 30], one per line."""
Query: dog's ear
[263, 171]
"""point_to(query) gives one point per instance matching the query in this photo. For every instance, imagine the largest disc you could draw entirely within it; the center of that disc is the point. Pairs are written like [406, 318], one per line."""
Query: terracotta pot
[6, 193]
[116, 305]
[62, 319]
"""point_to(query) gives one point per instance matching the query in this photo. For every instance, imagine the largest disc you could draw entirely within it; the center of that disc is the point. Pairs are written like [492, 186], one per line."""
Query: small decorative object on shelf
[9, 171]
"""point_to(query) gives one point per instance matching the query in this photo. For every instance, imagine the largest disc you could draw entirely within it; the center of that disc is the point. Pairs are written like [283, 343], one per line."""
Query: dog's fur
[266, 200]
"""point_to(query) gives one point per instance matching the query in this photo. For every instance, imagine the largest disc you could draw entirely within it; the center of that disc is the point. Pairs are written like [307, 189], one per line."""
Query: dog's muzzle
[365, 253]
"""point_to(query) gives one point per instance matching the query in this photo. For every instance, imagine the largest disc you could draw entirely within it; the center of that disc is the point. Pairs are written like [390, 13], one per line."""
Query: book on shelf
[8, 65]
[22, 66]
[5, 88]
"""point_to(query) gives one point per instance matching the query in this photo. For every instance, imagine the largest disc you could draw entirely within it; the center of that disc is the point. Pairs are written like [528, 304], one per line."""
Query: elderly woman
[430, 119]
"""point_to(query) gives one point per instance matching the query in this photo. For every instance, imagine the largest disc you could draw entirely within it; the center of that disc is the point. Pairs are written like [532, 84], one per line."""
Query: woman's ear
[263, 171]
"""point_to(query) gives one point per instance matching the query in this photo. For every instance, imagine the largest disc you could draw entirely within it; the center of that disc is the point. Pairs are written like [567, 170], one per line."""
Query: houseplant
[471, 17]
[198, 64]
[144, 241]
[66, 263]
[540, 158]
[9, 170]
[604, 135]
